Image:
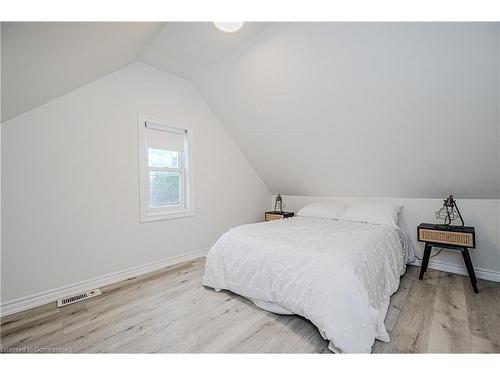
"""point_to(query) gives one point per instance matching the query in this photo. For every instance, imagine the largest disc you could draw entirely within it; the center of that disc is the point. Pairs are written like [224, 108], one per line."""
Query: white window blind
[165, 137]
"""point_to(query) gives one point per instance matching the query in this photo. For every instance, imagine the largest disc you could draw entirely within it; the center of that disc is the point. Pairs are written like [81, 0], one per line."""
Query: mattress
[338, 274]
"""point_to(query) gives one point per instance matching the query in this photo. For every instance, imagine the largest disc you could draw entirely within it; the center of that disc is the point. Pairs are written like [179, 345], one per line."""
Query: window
[165, 184]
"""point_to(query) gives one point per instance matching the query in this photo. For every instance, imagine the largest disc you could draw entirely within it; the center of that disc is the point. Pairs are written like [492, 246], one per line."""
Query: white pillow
[325, 210]
[374, 212]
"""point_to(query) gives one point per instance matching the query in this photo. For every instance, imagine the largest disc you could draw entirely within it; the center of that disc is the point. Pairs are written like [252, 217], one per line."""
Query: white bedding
[338, 274]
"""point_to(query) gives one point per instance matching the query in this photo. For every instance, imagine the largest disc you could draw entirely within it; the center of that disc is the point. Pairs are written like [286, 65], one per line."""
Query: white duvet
[338, 274]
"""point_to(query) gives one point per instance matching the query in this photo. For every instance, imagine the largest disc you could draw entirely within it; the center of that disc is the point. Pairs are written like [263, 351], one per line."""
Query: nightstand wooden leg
[425, 260]
[470, 269]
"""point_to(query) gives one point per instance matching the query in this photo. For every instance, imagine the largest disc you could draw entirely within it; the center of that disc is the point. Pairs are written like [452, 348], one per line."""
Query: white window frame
[186, 206]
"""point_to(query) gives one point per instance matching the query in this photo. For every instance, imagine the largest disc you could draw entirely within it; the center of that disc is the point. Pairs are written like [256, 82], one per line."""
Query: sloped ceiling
[186, 49]
[44, 60]
[381, 110]
[346, 109]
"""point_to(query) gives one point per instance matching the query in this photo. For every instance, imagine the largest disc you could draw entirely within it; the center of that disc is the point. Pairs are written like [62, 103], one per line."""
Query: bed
[339, 274]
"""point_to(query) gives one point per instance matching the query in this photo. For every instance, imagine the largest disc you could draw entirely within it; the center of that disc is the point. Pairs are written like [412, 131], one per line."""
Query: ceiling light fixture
[228, 27]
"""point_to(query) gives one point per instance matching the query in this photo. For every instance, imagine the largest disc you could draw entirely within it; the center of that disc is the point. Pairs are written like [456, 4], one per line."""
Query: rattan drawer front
[452, 238]
[273, 217]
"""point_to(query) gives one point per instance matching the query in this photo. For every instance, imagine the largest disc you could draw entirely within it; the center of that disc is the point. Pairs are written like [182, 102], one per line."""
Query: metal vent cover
[78, 297]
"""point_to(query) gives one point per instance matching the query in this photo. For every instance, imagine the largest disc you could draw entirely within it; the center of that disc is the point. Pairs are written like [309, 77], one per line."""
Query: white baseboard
[481, 273]
[28, 302]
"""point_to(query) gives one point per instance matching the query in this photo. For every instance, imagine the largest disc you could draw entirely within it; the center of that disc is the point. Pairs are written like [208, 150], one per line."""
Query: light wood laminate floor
[170, 311]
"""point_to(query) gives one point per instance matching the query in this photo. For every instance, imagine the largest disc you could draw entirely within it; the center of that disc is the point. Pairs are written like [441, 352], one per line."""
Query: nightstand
[448, 237]
[275, 215]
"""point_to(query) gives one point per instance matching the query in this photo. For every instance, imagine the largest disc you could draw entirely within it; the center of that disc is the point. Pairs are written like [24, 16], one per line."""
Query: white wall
[70, 194]
[483, 214]
[365, 109]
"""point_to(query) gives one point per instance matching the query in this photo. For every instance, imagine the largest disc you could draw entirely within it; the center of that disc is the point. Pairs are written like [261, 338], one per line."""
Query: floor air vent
[78, 297]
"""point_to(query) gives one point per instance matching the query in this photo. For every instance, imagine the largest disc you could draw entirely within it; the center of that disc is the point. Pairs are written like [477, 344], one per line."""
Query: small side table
[448, 237]
[275, 215]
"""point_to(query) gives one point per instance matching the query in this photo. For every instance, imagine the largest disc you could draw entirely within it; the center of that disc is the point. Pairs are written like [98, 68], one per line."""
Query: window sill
[166, 216]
